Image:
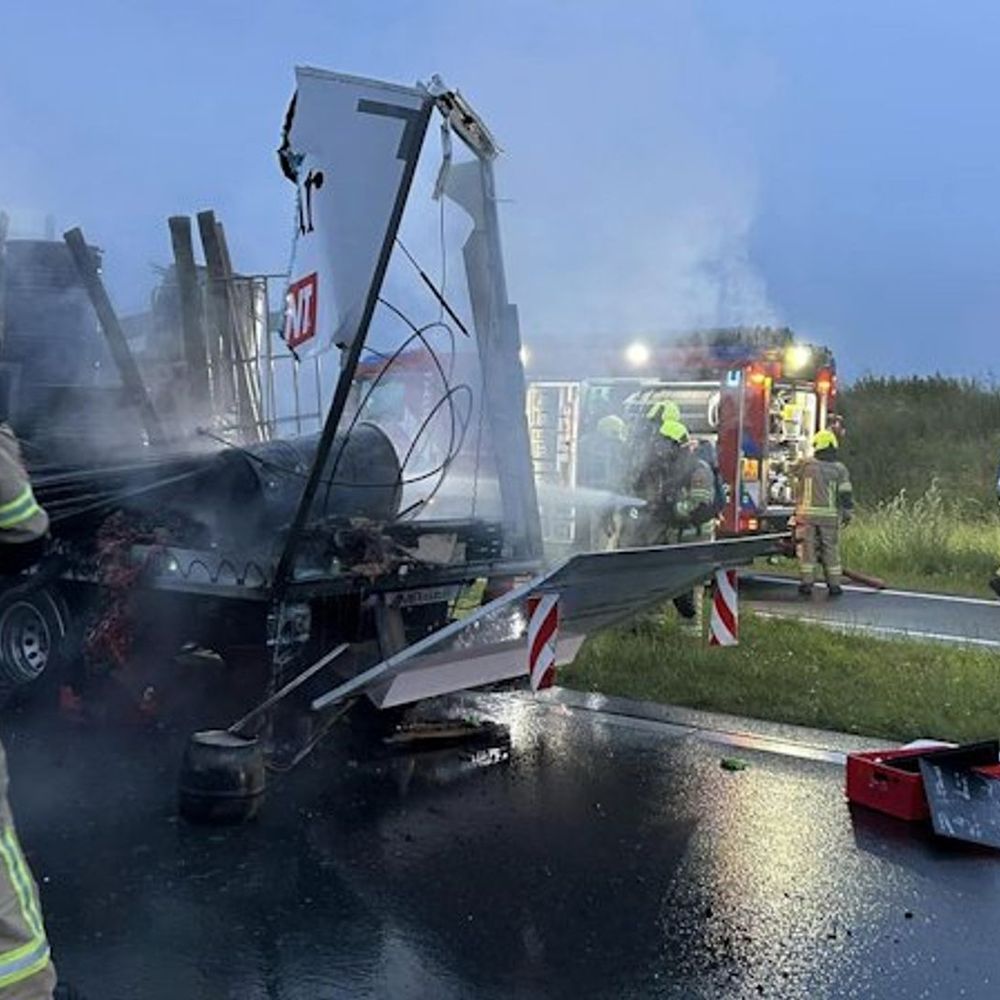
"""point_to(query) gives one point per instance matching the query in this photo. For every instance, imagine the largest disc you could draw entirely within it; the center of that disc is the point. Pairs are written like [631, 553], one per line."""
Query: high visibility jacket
[21, 518]
[823, 490]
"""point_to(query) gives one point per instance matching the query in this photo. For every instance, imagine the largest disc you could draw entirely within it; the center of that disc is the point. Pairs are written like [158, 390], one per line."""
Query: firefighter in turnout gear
[26, 971]
[693, 513]
[678, 488]
[823, 501]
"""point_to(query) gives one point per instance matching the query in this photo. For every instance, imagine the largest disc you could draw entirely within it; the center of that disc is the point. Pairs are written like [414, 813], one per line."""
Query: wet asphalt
[600, 856]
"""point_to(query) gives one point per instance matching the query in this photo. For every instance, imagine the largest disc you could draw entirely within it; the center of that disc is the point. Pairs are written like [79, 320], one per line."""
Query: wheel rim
[25, 642]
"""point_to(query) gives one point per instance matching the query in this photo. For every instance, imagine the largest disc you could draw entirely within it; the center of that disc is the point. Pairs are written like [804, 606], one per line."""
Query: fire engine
[753, 410]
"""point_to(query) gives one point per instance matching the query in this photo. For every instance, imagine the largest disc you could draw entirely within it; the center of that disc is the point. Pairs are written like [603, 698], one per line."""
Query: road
[605, 854]
[887, 613]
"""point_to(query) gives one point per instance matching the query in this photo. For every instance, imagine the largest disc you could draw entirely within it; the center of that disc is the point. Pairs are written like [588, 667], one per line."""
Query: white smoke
[631, 144]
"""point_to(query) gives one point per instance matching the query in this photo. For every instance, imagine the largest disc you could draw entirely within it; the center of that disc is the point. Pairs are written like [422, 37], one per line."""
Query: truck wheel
[33, 625]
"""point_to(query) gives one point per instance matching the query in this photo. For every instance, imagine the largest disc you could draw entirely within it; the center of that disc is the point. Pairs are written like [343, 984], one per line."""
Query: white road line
[923, 595]
[839, 625]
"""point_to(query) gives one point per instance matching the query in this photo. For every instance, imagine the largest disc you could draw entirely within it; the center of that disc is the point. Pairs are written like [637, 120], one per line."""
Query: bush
[902, 434]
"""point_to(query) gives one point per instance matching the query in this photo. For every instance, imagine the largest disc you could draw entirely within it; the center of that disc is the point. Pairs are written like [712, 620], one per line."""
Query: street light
[637, 354]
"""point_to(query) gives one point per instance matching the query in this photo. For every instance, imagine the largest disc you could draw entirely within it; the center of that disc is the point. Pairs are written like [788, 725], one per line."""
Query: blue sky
[829, 164]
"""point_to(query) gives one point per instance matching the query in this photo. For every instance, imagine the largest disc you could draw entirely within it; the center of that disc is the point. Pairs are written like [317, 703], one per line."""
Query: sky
[831, 165]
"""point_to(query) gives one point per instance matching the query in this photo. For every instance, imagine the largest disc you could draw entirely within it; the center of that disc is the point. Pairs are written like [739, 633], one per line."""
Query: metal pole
[283, 572]
[114, 334]
[289, 687]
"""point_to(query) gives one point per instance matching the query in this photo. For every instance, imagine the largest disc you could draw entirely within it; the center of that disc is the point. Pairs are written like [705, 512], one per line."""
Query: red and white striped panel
[543, 631]
[724, 626]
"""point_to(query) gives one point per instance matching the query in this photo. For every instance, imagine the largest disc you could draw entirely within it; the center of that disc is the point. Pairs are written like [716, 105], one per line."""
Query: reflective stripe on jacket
[21, 517]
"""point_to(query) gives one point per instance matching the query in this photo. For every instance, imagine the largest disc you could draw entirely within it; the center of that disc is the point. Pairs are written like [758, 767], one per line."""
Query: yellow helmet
[664, 409]
[612, 426]
[674, 430]
[824, 439]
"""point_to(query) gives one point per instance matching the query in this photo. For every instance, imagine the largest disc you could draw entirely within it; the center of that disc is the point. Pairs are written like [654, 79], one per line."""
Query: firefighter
[678, 488]
[693, 510]
[655, 483]
[823, 501]
[646, 437]
[26, 970]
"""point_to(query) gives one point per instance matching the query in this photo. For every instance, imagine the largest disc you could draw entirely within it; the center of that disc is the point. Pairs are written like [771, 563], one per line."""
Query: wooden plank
[195, 347]
[244, 349]
[114, 335]
[220, 329]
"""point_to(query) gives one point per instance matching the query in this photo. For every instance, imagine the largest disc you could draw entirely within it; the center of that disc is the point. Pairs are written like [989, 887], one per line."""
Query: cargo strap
[22, 962]
[22, 508]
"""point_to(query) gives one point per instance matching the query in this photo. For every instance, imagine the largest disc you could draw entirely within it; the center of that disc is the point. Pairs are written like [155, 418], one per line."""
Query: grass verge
[925, 542]
[803, 674]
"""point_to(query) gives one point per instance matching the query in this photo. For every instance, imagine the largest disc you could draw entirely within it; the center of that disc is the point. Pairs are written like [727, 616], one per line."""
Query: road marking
[854, 589]
[839, 625]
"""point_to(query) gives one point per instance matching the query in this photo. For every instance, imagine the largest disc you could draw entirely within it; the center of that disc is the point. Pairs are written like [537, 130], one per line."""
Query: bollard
[724, 626]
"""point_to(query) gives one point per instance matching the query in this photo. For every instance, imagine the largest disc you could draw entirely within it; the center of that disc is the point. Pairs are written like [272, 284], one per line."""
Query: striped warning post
[724, 626]
[543, 632]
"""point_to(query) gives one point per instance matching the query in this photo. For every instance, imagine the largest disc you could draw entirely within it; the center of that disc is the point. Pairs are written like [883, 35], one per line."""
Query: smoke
[630, 170]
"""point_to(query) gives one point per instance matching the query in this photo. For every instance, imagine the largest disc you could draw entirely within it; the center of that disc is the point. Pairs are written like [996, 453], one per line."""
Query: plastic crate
[889, 781]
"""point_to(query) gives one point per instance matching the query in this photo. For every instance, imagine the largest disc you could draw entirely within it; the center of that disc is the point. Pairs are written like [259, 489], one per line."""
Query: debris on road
[450, 732]
[733, 764]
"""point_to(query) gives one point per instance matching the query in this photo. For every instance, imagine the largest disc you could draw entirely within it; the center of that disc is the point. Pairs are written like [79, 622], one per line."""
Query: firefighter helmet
[663, 410]
[824, 439]
[674, 430]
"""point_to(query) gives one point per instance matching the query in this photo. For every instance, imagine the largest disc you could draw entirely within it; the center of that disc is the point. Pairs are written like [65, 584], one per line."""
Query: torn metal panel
[347, 144]
[471, 186]
[596, 589]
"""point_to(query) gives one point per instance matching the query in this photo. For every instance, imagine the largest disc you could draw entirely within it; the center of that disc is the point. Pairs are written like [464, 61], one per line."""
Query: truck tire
[33, 627]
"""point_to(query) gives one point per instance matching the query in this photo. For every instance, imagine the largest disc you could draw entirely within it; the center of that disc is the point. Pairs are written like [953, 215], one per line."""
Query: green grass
[923, 455]
[804, 674]
[925, 543]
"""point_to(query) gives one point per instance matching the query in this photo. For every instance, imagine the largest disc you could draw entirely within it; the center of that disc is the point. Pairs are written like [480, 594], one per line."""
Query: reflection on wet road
[595, 860]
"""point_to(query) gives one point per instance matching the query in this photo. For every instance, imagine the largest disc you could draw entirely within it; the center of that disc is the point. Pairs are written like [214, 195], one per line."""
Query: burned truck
[258, 487]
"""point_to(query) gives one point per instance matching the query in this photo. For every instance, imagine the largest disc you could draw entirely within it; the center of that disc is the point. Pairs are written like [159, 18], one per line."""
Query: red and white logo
[301, 310]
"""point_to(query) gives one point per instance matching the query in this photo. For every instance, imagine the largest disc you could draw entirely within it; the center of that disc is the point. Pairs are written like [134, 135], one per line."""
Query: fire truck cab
[753, 416]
